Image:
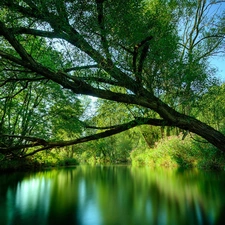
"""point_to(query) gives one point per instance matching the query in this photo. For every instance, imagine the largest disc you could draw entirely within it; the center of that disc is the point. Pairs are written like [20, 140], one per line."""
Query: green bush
[67, 162]
[175, 152]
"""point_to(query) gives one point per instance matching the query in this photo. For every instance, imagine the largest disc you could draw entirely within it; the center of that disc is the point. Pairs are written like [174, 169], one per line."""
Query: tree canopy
[150, 56]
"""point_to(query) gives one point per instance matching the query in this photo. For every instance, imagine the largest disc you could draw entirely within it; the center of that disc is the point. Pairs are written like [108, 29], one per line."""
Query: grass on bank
[175, 152]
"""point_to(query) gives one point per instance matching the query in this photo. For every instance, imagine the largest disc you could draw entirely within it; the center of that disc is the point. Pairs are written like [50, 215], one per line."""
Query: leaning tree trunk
[191, 124]
[210, 134]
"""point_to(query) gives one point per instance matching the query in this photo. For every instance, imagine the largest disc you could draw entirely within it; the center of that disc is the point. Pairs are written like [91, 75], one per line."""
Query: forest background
[150, 66]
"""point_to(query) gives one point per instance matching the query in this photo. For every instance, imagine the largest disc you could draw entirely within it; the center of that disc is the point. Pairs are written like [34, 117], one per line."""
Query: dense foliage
[147, 62]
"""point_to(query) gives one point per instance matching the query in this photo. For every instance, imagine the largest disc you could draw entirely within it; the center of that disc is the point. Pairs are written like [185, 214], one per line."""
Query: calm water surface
[112, 195]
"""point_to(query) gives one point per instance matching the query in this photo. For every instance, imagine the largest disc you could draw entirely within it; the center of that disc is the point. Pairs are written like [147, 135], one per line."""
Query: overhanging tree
[125, 51]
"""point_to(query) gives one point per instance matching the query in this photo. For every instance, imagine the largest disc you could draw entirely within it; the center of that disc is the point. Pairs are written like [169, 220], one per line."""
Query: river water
[112, 195]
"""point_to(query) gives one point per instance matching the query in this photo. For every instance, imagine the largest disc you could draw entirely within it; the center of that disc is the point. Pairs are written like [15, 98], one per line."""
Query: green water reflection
[112, 195]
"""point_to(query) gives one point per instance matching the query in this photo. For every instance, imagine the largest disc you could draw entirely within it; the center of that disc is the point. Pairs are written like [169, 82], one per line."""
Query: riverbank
[172, 152]
[178, 153]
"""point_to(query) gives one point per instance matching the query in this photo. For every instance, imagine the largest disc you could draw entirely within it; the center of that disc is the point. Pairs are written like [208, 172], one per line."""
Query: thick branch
[106, 65]
[138, 121]
[145, 46]
[112, 131]
[35, 142]
[78, 86]
[16, 45]
[64, 31]
[141, 62]
[101, 23]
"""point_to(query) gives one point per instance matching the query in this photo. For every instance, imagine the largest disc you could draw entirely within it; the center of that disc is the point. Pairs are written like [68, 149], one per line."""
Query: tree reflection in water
[112, 195]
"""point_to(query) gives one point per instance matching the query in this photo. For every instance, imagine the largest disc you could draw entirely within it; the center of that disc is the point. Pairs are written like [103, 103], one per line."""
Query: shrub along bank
[175, 152]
